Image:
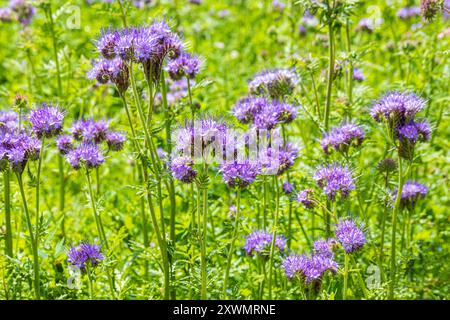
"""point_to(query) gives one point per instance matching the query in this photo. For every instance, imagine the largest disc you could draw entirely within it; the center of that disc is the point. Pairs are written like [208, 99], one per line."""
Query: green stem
[32, 239]
[233, 240]
[275, 226]
[62, 192]
[123, 14]
[330, 74]
[190, 100]
[8, 236]
[350, 70]
[394, 229]
[203, 238]
[346, 263]
[265, 202]
[316, 96]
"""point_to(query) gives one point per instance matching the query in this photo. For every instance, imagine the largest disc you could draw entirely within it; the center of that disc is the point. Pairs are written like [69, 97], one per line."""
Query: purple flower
[334, 179]
[9, 120]
[366, 24]
[285, 112]
[183, 65]
[305, 197]
[259, 242]
[276, 83]
[414, 131]
[23, 10]
[350, 236]
[412, 191]
[89, 130]
[246, 108]
[239, 174]
[408, 12]
[182, 169]
[115, 140]
[17, 147]
[64, 144]
[277, 162]
[309, 269]
[324, 248]
[397, 107]
[295, 265]
[266, 120]
[342, 138]
[85, 256]
[278, 5]
[46, 122]
[287, 188]
[114, 71]
[87, 154]
[107, 43]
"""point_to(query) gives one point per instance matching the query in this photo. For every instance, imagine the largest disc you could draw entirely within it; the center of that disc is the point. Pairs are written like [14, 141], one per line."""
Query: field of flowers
[236, 149]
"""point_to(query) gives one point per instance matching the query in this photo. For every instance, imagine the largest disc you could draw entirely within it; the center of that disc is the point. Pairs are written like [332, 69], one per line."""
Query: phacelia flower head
[285, 112]
[335, 179]
[305, 197]
[113, 71]
[239, 174]
[46, 121]
[397, 108]
[366, 24]
[350, 236]
[275, 83]
[6, 15]
[412, 191]
[247, 108]
[90, 131]
[184, 65]
[23, 10]
[107, 43]
[87, 154]
[9, 120]
[64, 144]
[414, 131]
[115, 140]
[325, 247]
[85, 256]
[259, 242]
[309, 269]
[182, 169]
[342, 138]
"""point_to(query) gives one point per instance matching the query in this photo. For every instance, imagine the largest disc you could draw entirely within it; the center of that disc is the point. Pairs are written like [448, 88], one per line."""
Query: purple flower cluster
[85, 256]
[305, 197]
[83, 146]
[239, 174]
[342, 138]
[399, 110]
[182, 169]
[46, 121]
[259, 242]
[275, 83]
[408, 12]
[20, 10]
[16, 146]
[276, 162]
[325, 248]
[350, 236]
[412, 191]
[184, 65]
[263, 113]
[309, 269]
[430, 8]
[113, 71]
[148, 45]
[334, 179]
